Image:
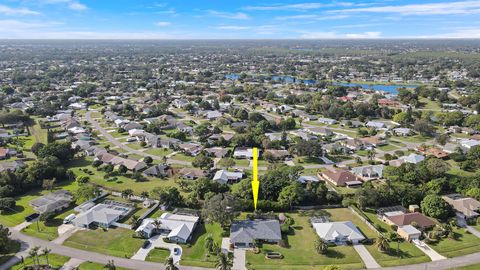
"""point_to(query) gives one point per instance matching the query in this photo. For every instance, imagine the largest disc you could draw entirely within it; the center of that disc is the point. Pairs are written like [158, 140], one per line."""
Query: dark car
[32, 217]
[146, 244]
[176, 251]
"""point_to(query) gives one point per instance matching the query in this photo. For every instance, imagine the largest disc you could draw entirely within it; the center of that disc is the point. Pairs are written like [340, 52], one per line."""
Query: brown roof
[373, 140]
[338, 176]
[3, 152]
[468, 206]
[408, 218]
[438, 153]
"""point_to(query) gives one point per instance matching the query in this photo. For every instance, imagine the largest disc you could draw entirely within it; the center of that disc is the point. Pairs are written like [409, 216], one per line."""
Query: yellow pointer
[255, 182]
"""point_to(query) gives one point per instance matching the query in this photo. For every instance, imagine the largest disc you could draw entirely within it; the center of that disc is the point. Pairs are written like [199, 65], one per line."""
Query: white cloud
[334, 35]
[299, 6]
[311, 17]
[365, 35]
[229, 15]
[5, 10]
[461, 7]
[71, 4]
[232, 27]
[162, 24]
[77, 6]
[458, 33]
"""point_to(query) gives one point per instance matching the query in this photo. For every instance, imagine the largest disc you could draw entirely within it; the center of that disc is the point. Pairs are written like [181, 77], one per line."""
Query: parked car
[131, 139]
[32, 217]
[146, 244]
[176, 251]
[69, 218]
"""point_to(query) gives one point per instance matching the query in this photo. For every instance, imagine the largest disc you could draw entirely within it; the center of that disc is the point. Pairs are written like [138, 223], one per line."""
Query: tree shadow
[332, 253]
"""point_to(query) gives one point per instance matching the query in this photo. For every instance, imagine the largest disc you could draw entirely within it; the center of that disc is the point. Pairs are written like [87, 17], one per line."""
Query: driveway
[64, 232]
[434, 256]
[71, 264]
[367, 258]
[239, 260]
[157, 242]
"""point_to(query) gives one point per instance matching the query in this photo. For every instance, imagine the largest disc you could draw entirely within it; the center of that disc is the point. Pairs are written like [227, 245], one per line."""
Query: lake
[390, 88]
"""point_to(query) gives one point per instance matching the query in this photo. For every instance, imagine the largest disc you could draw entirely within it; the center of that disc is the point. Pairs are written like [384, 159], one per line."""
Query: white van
[69, 218]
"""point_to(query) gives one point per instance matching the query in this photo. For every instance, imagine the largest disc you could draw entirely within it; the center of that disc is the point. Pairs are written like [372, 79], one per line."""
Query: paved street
[121, 145]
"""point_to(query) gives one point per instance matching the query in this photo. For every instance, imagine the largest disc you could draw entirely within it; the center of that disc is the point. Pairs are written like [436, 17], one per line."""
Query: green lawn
[158, 255]
[115, 242]
[47, 230]
[465, 243]
[196, 254]
[407, 252]
[183, 157]
[469, 267]
[23, 209]
[159, 151]
[96, 266]
[307, 161]
[121, 183]
[388, 147]
[56, 261]
[242, 162]
[300, 253]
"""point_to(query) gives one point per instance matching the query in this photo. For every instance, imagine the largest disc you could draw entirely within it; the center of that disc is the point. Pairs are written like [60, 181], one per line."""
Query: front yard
[195, 254]
[158, 255]
[55, 260]
[300, 252]
[465, 243]
[115, 242]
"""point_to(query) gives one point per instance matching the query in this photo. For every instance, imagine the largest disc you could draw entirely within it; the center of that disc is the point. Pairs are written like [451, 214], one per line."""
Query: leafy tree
[61, 150]
[167, 195]
[110, 265]
[122, 169]
[226, 163]
[87, 192]
[202, 161]
[127, 193]
[308, 148]
[290, 195]
[7, 204]
[423, 127]
[435, 207]
[36, 148]
[209, 242]
[148, 160]
[5, 242]
[221, 208]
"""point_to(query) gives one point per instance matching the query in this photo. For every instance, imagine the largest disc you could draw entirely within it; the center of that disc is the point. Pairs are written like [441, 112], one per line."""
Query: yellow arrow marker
[255, 182]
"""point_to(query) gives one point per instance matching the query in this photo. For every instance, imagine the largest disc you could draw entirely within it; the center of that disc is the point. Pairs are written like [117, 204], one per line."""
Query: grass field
[183, 157]
[158, 255]
[465, 243]
[115, 242]
[23, 209]
[56, 261]
[469, 267]
[159, 151]
[121, 183]
[196, 254]
[300, 252]
[96, 266]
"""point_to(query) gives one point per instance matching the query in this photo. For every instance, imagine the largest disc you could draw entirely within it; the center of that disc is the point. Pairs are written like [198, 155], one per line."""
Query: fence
[369, 224]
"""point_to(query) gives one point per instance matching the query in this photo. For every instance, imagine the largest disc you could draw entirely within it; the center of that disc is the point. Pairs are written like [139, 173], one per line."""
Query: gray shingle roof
[246, 231]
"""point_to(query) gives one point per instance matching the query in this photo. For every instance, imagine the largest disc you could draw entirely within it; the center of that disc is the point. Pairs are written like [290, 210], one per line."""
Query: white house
[337, 232]
[226, 177]
[243, 152]
[177, 228]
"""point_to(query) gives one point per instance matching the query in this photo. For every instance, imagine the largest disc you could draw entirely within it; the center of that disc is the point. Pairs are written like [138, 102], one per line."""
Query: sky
[232, 19]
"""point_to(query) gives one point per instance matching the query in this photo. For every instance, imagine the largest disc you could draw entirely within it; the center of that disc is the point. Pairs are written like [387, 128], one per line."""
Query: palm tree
[158, 224]
[170, 265]
[33, 253]
[321, 246]
[45, 252]
[144, 195]
[371, 154]
[223, 262]
[36, 249]
[382, 243]
[134, 221]
[110, 265]
[209, 243]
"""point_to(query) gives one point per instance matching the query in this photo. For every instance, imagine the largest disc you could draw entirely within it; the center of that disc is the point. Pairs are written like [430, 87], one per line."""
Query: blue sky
[261, 19]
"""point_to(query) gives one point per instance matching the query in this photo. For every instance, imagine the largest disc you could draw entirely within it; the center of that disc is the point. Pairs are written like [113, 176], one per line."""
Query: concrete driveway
[367, 258]
[239, 260]
[434, 256]
[157, 242]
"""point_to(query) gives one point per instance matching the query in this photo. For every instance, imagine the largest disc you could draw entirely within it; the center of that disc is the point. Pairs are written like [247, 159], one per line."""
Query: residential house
[375, 125]
[131, 164]
[104, 215]
[192, 149]
[304, 179]
[320, 131]
[191, 173]
[466, 207]
[52, 202]
[160, 170]
[409, 233]
[369, 172]
[277, 154]
[132, 125]
[244, 233]
[177, 228]
[339, 177]
[227, 177]
[243, 153]
[433, 151]
[11, 166]
[338, 232]
[373, 141]
[402, 132]
[218, 152]
[327, 121]
[402, 219]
